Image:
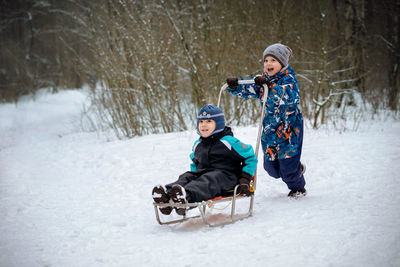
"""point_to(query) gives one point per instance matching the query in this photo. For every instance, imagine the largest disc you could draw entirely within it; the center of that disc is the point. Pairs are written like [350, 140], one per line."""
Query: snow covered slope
[72, 198]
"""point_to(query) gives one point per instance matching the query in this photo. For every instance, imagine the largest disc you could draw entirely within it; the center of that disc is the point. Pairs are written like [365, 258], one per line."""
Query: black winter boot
[160, 195]
[297, 193]
[178, 195]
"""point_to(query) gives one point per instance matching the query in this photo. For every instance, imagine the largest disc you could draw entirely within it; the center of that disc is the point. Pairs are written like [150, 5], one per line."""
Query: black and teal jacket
[222, 151]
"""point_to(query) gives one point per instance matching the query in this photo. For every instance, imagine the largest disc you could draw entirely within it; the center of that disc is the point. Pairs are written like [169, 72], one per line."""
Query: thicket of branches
[156, 62]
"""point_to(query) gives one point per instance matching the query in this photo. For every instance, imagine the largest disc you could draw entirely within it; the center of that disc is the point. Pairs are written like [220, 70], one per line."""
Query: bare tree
[156, 62]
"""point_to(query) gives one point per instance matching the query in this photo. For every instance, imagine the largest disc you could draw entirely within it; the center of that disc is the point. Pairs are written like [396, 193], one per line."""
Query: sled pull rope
[211, 205]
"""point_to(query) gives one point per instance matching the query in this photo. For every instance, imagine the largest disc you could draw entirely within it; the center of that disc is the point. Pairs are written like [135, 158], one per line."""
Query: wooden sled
[230, 199]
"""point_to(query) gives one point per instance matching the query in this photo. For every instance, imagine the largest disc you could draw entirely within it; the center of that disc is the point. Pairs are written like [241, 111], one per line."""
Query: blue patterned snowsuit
[282, 135]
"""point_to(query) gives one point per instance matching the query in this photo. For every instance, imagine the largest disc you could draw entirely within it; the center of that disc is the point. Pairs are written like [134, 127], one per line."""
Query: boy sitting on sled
[220, 162]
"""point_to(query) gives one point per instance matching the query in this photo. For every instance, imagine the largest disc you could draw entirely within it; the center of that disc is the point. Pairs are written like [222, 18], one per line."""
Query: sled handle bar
[260, 126]
[225, 86]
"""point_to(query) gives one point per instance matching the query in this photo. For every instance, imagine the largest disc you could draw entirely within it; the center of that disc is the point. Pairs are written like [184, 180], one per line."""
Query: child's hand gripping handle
[232, 83]
[261, 81]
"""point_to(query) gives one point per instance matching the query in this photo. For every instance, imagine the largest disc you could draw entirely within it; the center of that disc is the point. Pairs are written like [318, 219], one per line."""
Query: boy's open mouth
[270, 69]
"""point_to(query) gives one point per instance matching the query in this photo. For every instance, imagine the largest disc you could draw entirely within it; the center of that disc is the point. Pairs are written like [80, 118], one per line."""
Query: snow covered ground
[73, 198]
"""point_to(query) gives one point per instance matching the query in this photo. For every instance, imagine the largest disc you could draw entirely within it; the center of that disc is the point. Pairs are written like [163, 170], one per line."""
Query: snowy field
[74, 198]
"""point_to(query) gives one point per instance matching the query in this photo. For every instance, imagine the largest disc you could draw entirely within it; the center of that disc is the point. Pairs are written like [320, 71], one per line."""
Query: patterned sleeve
[246, 91]
[286, 93]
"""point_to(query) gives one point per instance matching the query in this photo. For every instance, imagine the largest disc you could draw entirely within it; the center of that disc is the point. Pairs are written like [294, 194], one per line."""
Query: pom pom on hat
[211, 112]
[281, 52]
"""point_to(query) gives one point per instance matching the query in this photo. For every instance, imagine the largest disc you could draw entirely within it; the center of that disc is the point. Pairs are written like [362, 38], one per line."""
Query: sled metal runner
[202, 207]
[231, 200]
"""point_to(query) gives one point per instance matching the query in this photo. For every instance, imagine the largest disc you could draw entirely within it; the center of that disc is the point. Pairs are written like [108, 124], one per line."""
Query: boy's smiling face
[206, 127]
[271, 66]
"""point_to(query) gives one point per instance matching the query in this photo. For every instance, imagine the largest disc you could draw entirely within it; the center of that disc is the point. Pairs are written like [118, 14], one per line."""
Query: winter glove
[232, 82]
[261, 80]
[244, 186]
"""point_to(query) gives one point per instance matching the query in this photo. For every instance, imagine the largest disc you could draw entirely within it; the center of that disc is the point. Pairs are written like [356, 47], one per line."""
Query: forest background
[151, 64]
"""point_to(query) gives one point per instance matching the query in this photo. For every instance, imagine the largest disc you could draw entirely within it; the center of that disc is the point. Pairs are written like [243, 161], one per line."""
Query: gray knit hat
[281, 52]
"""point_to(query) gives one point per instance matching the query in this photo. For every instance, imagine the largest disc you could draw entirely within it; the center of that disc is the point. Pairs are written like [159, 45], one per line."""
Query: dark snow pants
[288, 169]
[205, 184]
